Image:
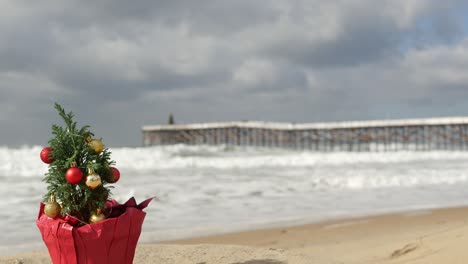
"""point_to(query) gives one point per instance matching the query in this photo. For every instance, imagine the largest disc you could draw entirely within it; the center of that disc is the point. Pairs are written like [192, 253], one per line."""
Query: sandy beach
[425, 236]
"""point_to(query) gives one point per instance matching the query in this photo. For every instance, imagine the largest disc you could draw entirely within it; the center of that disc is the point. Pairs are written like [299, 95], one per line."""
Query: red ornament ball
[115, 176]
[45, 155]
[74, 175]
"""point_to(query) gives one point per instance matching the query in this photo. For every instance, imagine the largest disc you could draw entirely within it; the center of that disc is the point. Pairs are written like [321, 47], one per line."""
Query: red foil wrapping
[111, 241]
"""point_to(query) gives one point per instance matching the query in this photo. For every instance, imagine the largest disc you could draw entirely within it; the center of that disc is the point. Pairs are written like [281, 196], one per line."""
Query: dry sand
[437, 236]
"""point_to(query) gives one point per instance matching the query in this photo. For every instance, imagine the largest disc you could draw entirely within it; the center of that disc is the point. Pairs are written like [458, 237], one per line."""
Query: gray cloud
[119, 65]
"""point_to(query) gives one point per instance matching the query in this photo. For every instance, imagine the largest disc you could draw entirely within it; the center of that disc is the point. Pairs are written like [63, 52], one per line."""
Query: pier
[379, 135]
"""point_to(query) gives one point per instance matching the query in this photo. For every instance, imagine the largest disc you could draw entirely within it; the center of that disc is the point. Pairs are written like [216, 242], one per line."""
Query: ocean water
[204, 190]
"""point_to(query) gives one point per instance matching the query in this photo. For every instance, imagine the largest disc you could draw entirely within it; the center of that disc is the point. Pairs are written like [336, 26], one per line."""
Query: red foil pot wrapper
[111, 241]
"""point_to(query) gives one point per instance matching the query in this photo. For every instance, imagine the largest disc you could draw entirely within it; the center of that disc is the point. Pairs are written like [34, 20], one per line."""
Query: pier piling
[388, 135]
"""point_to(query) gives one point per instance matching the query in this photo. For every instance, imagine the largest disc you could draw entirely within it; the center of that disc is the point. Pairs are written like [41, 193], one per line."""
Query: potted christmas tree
[79, 223]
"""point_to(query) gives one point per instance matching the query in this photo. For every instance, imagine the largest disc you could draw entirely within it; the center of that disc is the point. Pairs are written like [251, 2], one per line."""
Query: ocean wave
[212, 186]
[25, 162]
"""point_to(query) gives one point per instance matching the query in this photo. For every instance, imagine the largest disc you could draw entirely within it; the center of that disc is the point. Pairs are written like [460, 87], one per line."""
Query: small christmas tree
[80, 168]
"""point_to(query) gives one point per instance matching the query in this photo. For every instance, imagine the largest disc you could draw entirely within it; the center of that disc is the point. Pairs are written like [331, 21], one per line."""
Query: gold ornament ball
[97, 217]
[52, 208]
[93, 181]
[96, 145]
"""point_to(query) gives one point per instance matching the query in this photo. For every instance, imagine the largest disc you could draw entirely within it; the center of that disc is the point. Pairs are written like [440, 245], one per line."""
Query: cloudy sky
[120, 64]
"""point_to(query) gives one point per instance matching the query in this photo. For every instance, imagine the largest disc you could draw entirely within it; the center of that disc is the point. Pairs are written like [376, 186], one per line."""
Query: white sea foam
[210, 189]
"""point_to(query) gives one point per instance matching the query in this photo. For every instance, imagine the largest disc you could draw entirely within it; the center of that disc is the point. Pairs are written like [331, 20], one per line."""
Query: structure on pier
[384, 135]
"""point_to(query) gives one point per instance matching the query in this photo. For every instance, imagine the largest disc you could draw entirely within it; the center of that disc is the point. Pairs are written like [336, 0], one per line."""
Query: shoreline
[416, 236]
[453, 213]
